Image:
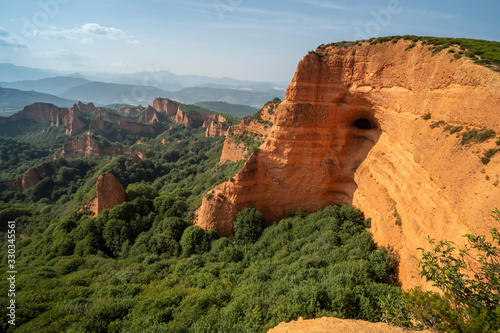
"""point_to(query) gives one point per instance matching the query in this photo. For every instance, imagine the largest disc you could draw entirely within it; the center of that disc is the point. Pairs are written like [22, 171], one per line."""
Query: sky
[243, 39]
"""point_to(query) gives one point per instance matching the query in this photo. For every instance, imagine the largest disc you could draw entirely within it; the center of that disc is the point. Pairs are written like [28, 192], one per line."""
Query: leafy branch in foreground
[470, 281]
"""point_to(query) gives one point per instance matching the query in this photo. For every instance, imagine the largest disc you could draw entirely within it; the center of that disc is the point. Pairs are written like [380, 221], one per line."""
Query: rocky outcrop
[49, 113]
[135, 159]
[183, 119]
[215, 129]
[148, 116]
[210, 118]
[234, 150]
[351, 131]
[134, 127]
[97, 124]
[129, 110]
[29, 179]
[109, 193]
[86, 147]
[166, 105]
[38, 112]
[189, 119]
[84, 108]
[251, 129]
[112, 117]
[69, 119]
[336, 325]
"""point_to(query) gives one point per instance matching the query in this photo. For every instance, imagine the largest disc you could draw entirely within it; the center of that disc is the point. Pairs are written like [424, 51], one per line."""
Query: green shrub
[436, 124]
[488, 154]
[138, 190]
[471, 302]
[477, 135]
[194, 241]
[248, 226]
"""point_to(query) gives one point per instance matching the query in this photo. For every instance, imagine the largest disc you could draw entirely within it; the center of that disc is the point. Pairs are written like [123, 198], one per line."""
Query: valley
[193, 211]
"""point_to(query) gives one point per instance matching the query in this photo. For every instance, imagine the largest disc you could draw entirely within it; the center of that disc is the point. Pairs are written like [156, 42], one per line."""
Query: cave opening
[364, 124]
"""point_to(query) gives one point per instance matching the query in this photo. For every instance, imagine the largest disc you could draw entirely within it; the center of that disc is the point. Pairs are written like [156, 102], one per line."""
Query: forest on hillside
[143, 266]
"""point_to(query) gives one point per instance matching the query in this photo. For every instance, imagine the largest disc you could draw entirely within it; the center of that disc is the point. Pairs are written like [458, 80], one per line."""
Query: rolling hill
[110, 93]
[11, 72]
[54, 85]
[13, 100]
[236, 110]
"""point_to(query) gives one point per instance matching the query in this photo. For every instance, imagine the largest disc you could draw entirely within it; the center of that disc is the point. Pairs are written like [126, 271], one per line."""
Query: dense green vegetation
[15, 156]
[143, 266]
[131, 270]
[481, 51]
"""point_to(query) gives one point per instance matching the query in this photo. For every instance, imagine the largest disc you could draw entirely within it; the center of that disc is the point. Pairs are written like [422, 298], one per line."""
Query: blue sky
[244, 39]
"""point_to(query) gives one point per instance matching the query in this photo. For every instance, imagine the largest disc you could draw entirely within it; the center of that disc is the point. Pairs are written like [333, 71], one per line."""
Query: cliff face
[29, 179]
[69, 118]
[188, 119]
[49, 113]
[252, 128]
[85, 108]
[85, 147]
[135, 127]
[351, 131]
[38, 112]
[149, 116]
[109, 193]
[97, 124]
[183, 119]
[165, 105]
[214, 130]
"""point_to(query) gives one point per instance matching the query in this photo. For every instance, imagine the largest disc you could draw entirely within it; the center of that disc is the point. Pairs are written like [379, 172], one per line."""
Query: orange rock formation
[214, 130]
[351, 131]
[109, 193]
[85, 108]
[336, 325]
[38, 112]
[234, 150]
[149, 116]
[97, 124]
[166, 105]
[69, 118]
[49, 113]
[135, 159]
[29, 179]
[135, 127]
[85, 147]
[187, 119]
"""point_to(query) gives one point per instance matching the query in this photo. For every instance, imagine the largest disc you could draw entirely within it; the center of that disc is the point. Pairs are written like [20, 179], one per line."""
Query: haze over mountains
[63, 89]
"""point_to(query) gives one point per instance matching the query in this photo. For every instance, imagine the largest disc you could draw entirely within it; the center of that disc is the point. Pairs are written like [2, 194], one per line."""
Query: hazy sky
[244, 39]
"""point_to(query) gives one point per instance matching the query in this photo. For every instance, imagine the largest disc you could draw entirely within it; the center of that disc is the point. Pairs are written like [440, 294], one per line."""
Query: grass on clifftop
[483, 52]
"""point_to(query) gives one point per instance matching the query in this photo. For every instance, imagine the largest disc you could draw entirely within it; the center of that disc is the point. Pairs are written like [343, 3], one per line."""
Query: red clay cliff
[352, 131]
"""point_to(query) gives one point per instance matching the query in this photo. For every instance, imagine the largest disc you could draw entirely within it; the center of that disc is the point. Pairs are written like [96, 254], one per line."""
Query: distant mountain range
[13, 100]
[239, 111]
[54, 85]
[135, 88]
